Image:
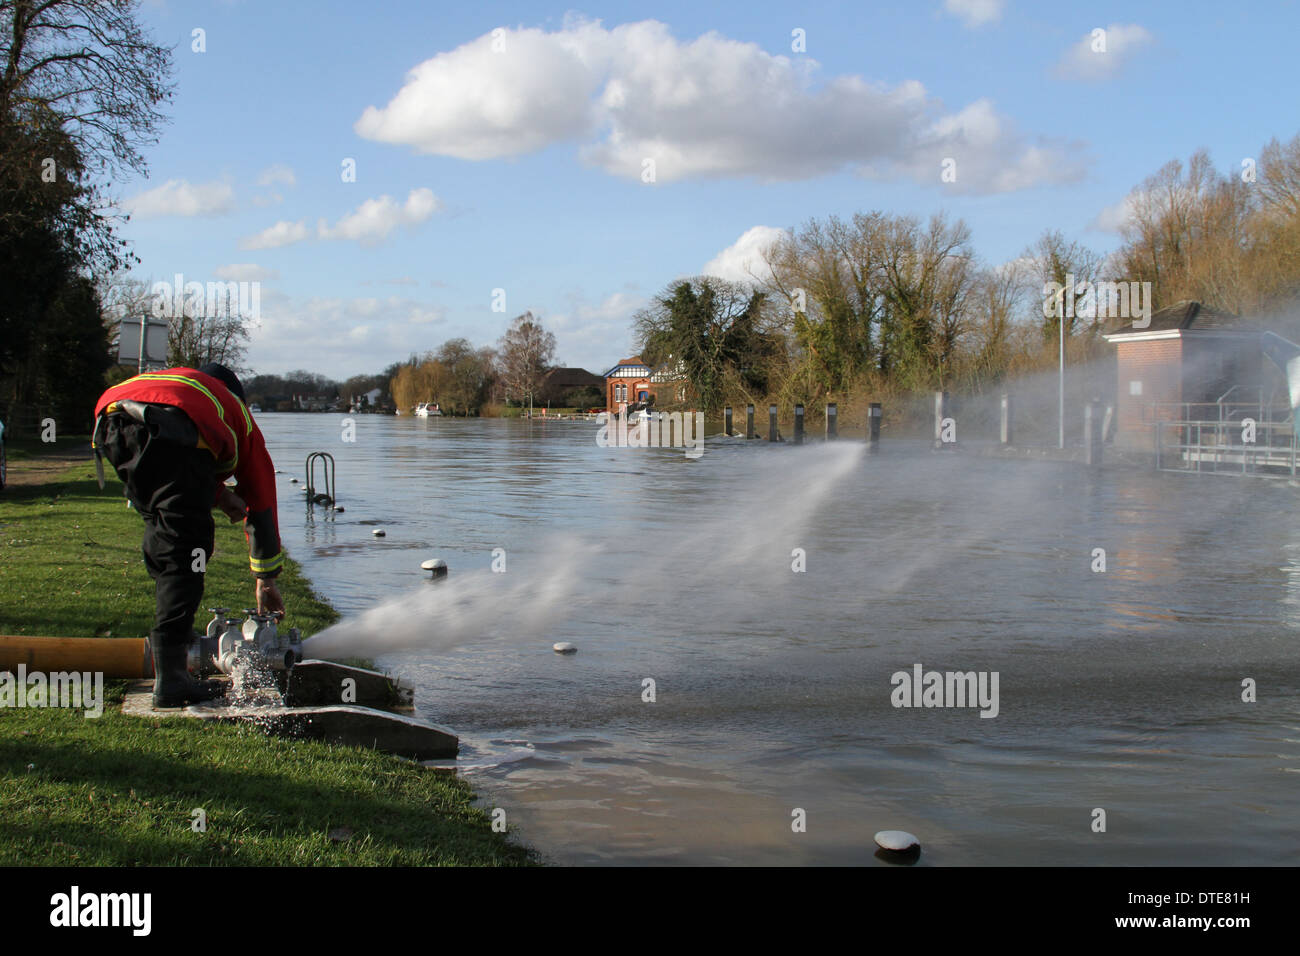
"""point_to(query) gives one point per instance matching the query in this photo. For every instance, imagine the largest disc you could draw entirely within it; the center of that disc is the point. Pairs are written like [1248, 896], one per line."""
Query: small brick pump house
[1187, 354]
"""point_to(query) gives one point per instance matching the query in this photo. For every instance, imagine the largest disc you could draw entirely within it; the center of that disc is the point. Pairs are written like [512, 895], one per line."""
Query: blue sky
[515, 160]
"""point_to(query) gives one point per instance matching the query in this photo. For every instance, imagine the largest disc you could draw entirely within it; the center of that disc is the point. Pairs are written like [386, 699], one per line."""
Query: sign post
[143, 342]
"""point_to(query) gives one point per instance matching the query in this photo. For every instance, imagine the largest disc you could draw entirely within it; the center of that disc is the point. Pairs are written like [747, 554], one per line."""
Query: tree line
[81, 95]
[461, 379]
[879, 304]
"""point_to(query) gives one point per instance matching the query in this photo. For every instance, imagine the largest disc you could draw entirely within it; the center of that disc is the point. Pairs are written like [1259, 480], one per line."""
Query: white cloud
[306, 332]
[975, 13]
[283, 233]
[179, 197]
[594, 335]
[369, 224]
[1114, 217]
[1102, 53]
[711, 107]
[742, 261]
[374, 219]
[246, 272]
[478, 103]
[984, 154]
[277, 173]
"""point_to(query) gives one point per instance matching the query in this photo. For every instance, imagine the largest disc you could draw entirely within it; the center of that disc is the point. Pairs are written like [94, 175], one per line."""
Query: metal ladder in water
[327, 497]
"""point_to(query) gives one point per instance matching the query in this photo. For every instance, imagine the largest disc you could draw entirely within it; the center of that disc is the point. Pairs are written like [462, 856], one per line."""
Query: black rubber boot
[172, 684]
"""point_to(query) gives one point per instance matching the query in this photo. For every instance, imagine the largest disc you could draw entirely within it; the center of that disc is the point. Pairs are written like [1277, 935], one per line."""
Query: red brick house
[633, 382]
[1183, 364]
[628, 383]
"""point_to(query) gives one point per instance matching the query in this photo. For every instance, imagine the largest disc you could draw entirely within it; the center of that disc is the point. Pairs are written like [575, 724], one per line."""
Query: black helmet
[226, 377]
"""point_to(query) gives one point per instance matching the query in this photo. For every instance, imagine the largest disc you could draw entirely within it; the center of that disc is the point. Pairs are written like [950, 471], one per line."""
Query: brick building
[1187, 361]
[628, 383]
[634, 383]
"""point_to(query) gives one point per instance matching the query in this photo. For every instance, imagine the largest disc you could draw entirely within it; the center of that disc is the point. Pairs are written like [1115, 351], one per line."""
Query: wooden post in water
[749, 422]
[832, 413]
[771, 423]
[798, 424]
[1006, 419]
[1091, 434]
[873, 430]
[940, 413]
[726, 420]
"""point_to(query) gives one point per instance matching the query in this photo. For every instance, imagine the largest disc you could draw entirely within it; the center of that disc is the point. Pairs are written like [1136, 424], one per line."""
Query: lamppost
[1060, 384]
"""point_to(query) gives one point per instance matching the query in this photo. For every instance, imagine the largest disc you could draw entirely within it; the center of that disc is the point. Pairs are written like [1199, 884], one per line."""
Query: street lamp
[1060, 384]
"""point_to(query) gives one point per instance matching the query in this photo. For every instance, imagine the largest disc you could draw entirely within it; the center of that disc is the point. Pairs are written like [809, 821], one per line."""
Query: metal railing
[1241, 446]
[1220, 412]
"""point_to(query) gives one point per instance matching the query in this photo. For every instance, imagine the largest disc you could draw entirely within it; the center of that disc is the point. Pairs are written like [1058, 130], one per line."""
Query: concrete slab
[322, 683]
[347, 724]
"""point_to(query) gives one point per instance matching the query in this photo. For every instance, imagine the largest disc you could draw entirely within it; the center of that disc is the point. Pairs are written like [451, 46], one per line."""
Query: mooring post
[798, 424]
[749, 422]
[1091, 434]
[1006, 419]
[726, 420]
[771, 423]
[940, 413]
[832, 413]
[873, 431]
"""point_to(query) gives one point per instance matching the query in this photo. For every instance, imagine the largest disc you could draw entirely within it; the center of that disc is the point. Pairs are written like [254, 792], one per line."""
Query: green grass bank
[124, 791]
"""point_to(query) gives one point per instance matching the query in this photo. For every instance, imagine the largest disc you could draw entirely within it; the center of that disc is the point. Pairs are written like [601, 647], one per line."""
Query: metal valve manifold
[256, 642]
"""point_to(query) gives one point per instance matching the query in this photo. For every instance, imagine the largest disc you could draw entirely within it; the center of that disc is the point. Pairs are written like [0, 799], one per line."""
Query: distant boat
[255, 408]
[428, 410]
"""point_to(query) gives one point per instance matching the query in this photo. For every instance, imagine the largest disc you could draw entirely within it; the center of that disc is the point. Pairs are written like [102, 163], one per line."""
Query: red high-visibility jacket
[228, 431]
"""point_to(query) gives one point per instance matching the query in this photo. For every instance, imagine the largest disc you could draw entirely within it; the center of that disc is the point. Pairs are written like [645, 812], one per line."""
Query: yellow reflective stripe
[263, 565]
[221, 412]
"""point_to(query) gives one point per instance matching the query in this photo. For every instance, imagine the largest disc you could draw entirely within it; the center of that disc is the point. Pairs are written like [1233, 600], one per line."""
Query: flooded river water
[740, 619]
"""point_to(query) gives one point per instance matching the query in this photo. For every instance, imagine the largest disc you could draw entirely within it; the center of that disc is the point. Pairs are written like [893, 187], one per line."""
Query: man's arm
[268, 598]
[255, 476]
[232, 505]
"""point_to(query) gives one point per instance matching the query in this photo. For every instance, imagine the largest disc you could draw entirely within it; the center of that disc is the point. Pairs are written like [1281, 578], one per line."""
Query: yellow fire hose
[115, 657]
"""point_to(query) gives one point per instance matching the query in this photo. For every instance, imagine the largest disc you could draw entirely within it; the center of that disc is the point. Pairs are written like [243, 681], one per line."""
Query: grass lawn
[124, 790]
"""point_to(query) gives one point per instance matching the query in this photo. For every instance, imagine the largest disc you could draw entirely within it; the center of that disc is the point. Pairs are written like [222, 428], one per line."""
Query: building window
[1135, 387]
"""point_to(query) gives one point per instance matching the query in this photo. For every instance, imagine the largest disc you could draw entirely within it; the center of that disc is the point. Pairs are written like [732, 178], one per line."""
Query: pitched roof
[633, 362]
[572, 376]
[1181, 316]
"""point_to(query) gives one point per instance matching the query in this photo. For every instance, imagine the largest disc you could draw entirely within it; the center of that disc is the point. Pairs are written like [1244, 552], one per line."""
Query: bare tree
[526, 353]
[89, 66]
[195, 338]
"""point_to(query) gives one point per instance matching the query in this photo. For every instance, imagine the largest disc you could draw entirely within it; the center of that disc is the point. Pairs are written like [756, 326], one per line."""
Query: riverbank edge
[119, 790]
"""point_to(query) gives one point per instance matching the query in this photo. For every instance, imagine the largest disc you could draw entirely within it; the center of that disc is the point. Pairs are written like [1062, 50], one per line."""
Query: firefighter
[174, 437]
